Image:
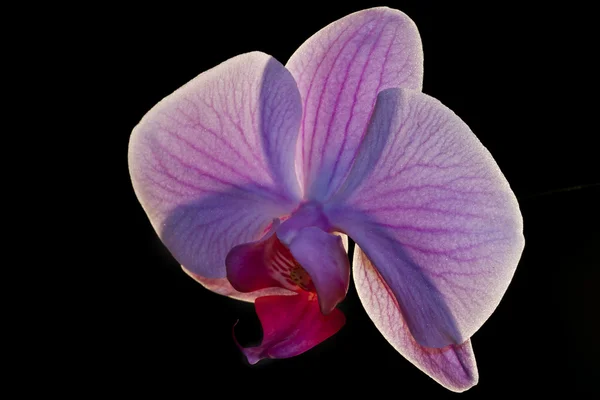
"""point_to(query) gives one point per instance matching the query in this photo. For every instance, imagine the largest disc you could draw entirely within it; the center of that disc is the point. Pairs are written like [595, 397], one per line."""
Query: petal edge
[453, 367]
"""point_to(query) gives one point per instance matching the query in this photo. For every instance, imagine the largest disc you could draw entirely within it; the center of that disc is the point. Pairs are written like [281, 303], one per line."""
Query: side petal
[291, 326]
[323, 256]
[339, 71]
[431, 209]
[453, 366]
[212, 163]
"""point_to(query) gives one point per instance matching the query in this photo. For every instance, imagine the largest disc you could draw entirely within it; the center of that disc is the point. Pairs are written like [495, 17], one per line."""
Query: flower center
[284, 268]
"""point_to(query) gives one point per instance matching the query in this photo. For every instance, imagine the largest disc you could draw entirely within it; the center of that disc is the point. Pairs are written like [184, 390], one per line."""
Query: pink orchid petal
[339, 71]
[223, 287]
[453, 366]
[344, 238]
[291, 326]
[212, 163]
[322, 255]
[431, 209]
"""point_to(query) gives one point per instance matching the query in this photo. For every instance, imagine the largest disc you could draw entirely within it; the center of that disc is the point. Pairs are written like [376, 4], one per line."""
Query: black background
[516, 76]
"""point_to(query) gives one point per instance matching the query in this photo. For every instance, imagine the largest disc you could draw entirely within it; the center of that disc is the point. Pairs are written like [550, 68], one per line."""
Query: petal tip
[253, 354]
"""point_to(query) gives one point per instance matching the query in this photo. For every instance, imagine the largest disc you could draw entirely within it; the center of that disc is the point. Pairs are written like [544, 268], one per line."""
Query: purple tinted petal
[344, 240]
[339, 72]
[223, 287]
[212, 163]
[431, 209]
[291, 326]
[453, 366]
[323, 256]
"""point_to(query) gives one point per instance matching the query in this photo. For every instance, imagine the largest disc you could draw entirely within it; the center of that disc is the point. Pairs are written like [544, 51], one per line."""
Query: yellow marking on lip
[300, 277]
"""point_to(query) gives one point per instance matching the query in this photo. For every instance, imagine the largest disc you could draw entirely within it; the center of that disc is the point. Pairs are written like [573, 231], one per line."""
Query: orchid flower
[253, 174]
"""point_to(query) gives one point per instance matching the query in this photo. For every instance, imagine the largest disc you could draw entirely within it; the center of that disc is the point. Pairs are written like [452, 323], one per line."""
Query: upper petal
[212, 163]
[339, 72]
[452, 366]
[431, 209]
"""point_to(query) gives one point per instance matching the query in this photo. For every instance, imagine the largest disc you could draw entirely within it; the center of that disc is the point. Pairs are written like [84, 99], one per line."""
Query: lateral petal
[431, 209]
[212, 163]
[453, 366]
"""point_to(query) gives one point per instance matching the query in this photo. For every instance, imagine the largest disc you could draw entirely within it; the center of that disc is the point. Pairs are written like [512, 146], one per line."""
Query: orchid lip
[314, 266]
[313, 260]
